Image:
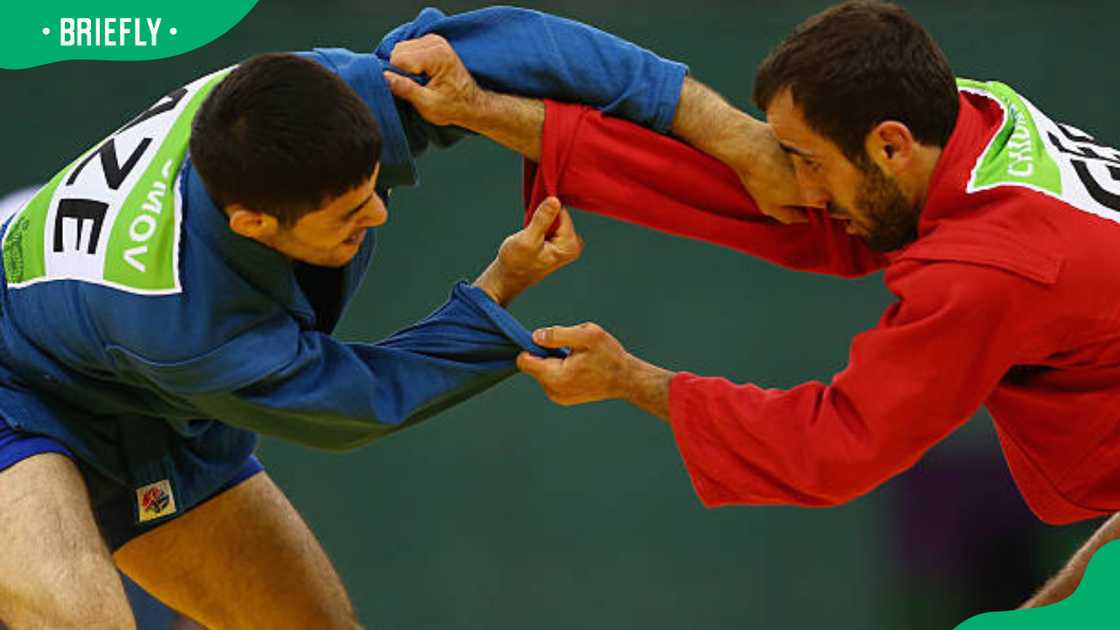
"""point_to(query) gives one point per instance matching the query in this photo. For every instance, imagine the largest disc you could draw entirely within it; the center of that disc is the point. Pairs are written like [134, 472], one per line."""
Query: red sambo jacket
[1009, 298]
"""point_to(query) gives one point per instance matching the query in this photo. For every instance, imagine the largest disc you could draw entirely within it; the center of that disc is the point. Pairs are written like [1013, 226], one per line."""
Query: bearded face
[881, 214]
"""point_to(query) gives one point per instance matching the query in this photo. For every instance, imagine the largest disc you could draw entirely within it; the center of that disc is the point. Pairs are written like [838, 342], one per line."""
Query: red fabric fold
[616, 168]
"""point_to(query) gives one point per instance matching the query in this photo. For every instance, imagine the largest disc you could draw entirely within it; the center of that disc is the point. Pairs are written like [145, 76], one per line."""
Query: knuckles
[430, 40]
[571, 251]
[592, 330]
[437, 40]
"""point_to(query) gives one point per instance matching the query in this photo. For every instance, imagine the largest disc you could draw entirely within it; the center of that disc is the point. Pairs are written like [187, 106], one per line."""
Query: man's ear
[258, 226]
[891, 146]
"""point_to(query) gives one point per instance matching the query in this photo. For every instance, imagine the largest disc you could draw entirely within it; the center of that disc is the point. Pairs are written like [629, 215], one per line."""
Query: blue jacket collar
[263, 267]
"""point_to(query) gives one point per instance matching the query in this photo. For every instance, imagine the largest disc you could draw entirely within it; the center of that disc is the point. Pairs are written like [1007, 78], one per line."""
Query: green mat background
[508, 512]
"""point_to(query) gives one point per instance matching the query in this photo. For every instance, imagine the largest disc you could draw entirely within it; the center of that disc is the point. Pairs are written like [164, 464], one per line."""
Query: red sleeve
[933, 359]
[616, 168]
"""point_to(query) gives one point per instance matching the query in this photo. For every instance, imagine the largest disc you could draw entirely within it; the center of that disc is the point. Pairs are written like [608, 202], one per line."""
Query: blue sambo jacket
[173, 379]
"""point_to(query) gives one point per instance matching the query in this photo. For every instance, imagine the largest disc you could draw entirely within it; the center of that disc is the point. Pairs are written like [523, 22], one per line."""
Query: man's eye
[810, 164]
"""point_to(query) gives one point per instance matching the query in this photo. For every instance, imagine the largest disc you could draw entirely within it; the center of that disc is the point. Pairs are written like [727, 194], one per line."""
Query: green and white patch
[112, 217]
[1056, 159]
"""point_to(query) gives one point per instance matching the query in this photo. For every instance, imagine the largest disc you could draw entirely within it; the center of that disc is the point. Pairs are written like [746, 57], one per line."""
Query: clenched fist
[528, 256]
[451, 96]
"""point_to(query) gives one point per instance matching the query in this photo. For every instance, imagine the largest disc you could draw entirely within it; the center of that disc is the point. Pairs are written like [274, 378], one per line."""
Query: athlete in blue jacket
[160, 307]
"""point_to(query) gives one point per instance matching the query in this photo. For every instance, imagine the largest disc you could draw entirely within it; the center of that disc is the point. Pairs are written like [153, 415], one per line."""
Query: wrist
[640, 382]
[708, 122]
[739, 135]
[481, 114]
[645, 386]
[501, 284]
[490, 282]
[514, 122]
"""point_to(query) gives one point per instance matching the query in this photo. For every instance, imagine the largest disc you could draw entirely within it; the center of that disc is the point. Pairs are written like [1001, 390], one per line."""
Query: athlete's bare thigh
[55, 570]
[244, 559]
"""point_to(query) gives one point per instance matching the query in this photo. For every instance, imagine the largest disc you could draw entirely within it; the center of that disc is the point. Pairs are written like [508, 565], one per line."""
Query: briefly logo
[37, 33]
[155, 500]
[109, 31]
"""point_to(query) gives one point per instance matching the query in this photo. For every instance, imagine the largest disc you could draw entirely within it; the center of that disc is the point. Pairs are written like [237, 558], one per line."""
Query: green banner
[1092, 605]
[37, 33]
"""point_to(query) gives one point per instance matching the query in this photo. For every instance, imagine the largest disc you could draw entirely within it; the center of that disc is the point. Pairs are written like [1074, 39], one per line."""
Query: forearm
[673, 187]
[492, 282]
[1066, 581]
[708, 122]
[646, 386]
[512, 121]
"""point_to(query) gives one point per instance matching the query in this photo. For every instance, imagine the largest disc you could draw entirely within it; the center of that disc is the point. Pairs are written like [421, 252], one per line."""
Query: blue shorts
[113, 507]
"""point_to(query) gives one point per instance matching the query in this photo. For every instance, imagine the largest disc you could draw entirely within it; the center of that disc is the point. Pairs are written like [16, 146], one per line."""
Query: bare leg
[1062, 585]
[55, 571]
[244, 559]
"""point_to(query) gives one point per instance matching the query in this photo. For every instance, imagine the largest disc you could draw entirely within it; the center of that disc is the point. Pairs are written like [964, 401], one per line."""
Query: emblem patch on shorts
[155, 500]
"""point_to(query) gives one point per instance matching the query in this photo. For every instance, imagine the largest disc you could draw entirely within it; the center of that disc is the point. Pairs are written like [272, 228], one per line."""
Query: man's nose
[815, 197]
[377, 214]
[813, 193]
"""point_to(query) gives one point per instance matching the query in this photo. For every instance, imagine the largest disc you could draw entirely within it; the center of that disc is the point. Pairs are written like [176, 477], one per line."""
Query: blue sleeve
[535, 54]
[511, 50]
[335, 395]
[362, 72]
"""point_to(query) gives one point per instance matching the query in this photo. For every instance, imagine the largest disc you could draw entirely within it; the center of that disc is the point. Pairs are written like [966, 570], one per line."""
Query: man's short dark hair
[282, 135]
[858, 64]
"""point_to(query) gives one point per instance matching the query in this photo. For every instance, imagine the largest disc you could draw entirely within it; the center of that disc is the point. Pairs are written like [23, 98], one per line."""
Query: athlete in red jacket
[997, 230]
